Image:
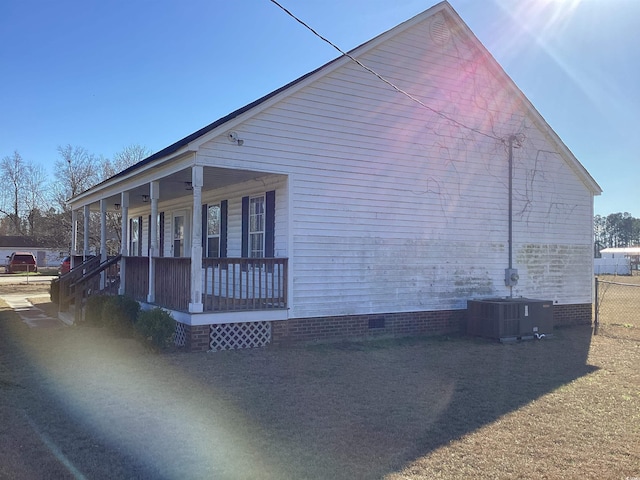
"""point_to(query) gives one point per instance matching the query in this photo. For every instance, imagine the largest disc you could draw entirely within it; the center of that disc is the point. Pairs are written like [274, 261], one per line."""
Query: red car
[21, 262]
[65, 266]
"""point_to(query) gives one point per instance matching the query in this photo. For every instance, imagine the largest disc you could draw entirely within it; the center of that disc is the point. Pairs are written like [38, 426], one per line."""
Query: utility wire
[388, 82]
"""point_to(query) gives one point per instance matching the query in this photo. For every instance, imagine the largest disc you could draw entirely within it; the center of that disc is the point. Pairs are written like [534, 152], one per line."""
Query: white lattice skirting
[233, 336]
[179, 337]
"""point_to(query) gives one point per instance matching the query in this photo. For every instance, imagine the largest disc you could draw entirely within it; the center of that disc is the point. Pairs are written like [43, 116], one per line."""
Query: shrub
[156, 326]
[119, 314]
[54, 290]
[93, 310]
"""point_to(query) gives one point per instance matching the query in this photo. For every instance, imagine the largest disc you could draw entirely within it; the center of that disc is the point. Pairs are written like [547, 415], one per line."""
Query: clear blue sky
[107, 74]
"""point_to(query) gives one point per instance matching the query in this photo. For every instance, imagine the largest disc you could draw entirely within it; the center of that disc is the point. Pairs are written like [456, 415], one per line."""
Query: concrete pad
[32, 316]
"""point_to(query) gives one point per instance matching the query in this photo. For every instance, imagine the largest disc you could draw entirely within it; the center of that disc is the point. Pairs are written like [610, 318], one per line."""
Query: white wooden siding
[234, 196]
[396, 208]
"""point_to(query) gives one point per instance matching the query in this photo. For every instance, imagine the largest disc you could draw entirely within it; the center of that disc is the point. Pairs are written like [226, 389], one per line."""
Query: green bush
[54, 291]
[119, 314]
[93, 310]
[157, 327]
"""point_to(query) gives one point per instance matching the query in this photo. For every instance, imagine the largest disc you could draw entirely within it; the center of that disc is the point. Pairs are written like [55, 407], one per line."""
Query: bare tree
[76, 170]
[13, 172]
[35, 196]
[30, 204]
[22, 191]
[125, 158]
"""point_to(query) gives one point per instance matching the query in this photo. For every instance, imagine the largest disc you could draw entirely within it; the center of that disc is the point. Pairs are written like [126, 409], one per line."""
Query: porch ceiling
[175, 185]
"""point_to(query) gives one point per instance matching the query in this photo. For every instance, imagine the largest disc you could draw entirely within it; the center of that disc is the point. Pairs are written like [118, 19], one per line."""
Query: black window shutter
[131, 252]
[161, 235]
[205, 215]
[149, 237]
[139, 236]
[245, 227]
[224, 209]
[270, 224]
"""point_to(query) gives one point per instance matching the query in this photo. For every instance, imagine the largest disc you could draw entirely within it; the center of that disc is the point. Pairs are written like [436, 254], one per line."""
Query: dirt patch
[446, 407]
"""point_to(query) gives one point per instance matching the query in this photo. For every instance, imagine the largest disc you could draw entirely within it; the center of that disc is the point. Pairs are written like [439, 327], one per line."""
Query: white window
[178, 235]
[256, 226]
[213, 231]
[134, 246]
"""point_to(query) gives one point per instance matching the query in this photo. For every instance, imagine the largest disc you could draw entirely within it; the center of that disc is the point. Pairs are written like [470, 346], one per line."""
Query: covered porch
[205, 243]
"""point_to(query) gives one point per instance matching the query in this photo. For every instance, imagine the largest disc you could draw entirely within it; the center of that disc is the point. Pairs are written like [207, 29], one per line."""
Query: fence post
[596, 320]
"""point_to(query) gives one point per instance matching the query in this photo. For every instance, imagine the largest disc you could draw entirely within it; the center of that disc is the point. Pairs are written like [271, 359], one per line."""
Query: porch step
[69, 316]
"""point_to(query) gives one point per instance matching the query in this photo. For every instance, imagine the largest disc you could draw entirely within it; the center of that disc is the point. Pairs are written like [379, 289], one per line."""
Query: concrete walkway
[32, 316]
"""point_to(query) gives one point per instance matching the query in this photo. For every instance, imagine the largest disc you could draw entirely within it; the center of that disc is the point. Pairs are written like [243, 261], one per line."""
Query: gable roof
[288, 89]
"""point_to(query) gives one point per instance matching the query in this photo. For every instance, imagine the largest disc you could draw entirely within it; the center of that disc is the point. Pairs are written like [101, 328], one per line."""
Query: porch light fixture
[188, 186]
[117, 206]
[145, 198]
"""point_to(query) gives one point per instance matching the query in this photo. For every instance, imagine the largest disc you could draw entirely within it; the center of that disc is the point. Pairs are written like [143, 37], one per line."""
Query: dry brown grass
[457, 407]
[619, 306]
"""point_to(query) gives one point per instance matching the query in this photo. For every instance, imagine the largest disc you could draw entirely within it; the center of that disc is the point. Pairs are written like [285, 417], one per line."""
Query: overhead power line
[380, 77]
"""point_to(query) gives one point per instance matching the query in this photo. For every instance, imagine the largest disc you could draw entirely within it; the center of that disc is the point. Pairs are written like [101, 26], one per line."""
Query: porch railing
[136, 283]
[173, 282]
[228, 284]
[84, 280]
[231, 284]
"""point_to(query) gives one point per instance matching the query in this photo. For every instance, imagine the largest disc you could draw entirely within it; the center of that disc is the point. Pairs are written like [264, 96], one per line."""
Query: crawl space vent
[376, 322]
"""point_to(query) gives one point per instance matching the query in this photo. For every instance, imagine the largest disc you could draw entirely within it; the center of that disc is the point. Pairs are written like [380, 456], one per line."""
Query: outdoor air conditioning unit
[510, 319]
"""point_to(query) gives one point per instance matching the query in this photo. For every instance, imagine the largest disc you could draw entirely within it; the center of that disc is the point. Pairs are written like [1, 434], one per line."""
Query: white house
[617, 261]
[339, 206]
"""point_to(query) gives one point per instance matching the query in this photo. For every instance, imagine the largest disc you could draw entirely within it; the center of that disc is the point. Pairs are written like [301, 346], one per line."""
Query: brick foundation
[196, 337]
[350, 327]
[575, 314]
[326, 329]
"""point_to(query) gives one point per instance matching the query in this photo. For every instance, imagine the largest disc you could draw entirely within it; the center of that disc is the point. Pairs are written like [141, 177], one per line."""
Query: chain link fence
[617, 308]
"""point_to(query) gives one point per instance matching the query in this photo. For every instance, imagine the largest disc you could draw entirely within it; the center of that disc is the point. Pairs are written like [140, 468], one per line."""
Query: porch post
[154, 188]
[124, 235]
[103, 240]
[195, 306]
[74, 236]
[87, 214]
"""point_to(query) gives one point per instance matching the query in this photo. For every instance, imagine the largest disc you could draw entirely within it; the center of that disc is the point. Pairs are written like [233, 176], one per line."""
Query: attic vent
[440, 33]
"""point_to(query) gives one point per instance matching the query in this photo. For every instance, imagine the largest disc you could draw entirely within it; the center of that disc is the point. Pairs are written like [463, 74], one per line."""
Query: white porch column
[74, 236]
[124, 235]
[195, 306]
[154, 190]
[87, 216]
[103, 240]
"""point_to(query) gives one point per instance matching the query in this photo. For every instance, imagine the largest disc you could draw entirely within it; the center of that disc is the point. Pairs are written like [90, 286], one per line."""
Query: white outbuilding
[617, 261]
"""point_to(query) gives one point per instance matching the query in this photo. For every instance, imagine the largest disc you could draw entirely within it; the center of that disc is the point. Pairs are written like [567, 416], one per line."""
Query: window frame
[135, 236]
[257, 226]
[208, 237]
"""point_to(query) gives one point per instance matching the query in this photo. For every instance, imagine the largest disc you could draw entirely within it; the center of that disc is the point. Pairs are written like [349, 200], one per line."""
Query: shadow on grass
[365, 410]
[352, 410]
